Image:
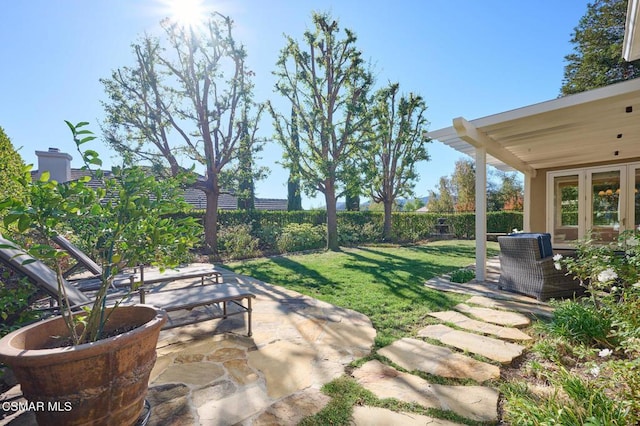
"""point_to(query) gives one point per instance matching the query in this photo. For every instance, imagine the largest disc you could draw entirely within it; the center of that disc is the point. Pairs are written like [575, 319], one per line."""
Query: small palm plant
[130, 218]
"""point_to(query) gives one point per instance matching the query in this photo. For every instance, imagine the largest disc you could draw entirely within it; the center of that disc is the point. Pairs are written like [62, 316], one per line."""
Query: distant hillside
[341, 205]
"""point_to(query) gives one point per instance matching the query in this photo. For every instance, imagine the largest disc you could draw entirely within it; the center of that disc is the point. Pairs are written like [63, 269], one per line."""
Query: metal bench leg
[249, 315]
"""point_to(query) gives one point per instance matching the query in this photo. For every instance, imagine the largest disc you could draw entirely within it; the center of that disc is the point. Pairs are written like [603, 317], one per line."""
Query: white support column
[481, 213]
[526, 204]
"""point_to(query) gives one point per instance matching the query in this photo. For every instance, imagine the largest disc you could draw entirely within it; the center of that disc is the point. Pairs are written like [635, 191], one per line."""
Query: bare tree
[185, 99]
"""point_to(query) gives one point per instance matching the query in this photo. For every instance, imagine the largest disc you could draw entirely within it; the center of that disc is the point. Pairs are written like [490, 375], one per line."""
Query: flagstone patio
[210, 373]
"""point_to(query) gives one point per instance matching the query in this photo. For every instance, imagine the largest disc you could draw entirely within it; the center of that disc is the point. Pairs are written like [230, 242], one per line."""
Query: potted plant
[92, 366]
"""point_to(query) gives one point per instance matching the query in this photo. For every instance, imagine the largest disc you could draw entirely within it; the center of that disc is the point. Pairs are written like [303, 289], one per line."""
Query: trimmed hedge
[362, 227]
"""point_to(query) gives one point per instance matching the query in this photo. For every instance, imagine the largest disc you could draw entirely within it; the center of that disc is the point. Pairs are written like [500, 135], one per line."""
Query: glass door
[605, 210]
[594, 202]
[566, 197]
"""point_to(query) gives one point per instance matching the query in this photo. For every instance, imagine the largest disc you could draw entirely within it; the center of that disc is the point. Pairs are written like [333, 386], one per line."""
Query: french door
[598, 202]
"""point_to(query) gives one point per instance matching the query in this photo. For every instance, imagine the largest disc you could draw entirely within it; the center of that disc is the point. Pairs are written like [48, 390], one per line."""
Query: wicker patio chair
[527, 267]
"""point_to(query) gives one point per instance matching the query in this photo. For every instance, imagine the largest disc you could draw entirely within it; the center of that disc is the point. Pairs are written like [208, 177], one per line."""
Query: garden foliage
[593, 344]
[359, 227]
[11, 168]
[130, 219]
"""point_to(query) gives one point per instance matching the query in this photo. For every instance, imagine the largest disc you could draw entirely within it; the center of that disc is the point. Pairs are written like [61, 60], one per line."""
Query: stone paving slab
[274, 377]
[494, 316]
[282, 376]
[494, 349]
[478, 403]
[443, 283]
[536, 309]
[413, 354]
[375, 416]
[463, 321]
[292, 409]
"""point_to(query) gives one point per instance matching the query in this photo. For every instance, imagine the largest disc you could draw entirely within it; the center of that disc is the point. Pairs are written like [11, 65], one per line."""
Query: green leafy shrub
[15, 297]
[610, 274]
[267, 234]
[462, 276]
[11, 170]
[580, 323]
[350, 234]
[139, 225]
[236, 242]
[299, 237]
[580, 402]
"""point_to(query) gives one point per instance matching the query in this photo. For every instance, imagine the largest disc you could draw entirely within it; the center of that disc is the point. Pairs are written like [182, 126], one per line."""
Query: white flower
[614, 289]
[632, 242]
[607, 275]
[616, 226]
[557, 265]
[636, 285]
[605, 353]
[557, 257]
[595, 371]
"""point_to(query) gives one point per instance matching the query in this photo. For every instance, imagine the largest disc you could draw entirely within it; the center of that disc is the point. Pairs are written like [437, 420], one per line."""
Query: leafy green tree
[353, 186]
[327, 83]
[511, 191]
[11, 169]
[413, 205]
[596, 60]
[247, 172]
[352, 201]
[379, 207]
[294, 197]
[185, 98]
[396, 145]
[443, 200]
[463, 182]
[142, 224]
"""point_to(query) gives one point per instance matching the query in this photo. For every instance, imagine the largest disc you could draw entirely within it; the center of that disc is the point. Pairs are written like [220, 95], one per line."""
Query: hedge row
[272, 231]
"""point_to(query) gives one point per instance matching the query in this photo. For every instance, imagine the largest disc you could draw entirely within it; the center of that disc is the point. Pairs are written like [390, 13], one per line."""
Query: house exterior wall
[538, 221]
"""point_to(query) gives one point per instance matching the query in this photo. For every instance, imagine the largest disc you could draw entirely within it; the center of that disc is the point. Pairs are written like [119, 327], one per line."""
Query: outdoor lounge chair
[527, 267]
[170, 300]
[141, 274]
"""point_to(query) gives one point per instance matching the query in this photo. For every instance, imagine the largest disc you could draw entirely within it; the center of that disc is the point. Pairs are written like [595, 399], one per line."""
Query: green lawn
[384, 283]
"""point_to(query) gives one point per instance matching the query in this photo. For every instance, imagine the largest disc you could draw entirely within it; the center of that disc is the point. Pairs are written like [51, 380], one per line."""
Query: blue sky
[466, 58]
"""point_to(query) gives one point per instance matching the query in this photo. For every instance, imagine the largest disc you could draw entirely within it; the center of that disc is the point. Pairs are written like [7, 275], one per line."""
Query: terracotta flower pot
[104, 382]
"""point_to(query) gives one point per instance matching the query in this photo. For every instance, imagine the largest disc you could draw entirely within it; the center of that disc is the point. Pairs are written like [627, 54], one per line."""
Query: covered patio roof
[601, 125]
[589, 127]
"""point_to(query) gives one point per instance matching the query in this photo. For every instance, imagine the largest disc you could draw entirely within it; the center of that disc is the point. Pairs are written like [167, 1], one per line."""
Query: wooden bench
[192, 297]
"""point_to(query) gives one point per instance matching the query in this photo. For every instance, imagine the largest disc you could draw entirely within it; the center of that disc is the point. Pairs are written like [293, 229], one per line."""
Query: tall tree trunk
[332, 217]
[386, 230]
[352, 202]
[294, 198]
[246, 186]
[211, 223]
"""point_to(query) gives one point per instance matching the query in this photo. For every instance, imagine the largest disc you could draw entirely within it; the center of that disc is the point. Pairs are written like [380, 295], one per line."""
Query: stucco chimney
[57, 163]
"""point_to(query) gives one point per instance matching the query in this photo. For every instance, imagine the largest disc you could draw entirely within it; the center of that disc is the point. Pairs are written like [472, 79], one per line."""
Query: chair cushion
[544, 242]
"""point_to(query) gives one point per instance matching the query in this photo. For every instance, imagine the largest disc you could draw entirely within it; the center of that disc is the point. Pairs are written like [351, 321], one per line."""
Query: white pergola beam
[470, 134]
[631, 43]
